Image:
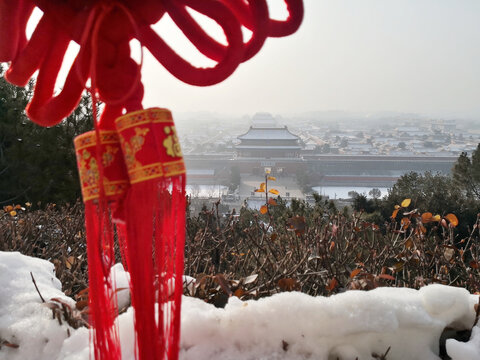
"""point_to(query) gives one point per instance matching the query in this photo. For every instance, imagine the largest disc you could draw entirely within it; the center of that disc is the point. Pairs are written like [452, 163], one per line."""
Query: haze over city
[365, 56]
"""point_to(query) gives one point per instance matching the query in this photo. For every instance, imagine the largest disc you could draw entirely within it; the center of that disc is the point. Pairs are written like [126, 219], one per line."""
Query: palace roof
[273, 133]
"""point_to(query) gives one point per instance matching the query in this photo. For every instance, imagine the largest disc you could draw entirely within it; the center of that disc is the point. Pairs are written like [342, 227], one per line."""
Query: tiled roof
[268, 134]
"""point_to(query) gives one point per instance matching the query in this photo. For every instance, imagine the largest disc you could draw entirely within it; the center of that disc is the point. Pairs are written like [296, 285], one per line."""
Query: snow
[290, 326]
[24, 320]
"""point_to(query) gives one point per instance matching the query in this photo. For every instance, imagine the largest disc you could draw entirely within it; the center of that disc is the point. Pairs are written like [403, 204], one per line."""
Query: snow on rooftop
[268, 134]
[287, 326]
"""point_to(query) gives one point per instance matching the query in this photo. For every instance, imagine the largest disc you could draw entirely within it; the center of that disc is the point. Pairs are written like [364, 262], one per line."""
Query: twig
[36, 287]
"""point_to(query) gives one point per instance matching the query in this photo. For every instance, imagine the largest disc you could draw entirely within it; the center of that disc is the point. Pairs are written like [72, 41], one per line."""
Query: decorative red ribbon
[131, 168]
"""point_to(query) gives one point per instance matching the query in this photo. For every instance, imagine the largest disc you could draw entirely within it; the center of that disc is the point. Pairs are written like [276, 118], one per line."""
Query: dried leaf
[332, 284]
[427, 217]
[263, 209]
[8, 344]
[405, 203]
[274, 191]
[409, 243]
[398, 266]
[474, 264]
[332, 246]
[448, 253]
[355, 273]
[421, 229]
[405, 222]
[250, 279]
[69, 262]
[452, 219]
[220, 279]
[274, 236]
[288, 284]
[239, 293]
[82, 304]
[272, 202]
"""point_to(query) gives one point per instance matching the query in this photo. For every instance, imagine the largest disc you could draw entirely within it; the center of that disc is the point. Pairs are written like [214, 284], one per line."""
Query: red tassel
[101, 163]
[155, 221]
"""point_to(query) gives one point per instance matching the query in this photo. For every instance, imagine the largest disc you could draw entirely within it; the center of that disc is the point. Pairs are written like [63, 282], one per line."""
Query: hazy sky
[418, 56]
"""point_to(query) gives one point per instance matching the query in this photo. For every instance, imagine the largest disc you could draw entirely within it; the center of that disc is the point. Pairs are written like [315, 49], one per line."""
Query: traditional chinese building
[267, 140]
[267, 145]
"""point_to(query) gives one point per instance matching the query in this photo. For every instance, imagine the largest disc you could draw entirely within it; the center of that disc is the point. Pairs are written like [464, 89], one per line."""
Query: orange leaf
[332, 246]
[452, 219]
[405, 203]
[427, 217]
[355, 273]
[421, 229]
[13, 213]
[239, 293]
[8, 208]
[262, 186]
[263, 209]
[272, 202]
[397, 206]
[405, 222]
[394, 214]
[332, 284]
[288, 284]
[259, 190]
[436, 218]
[274, 191]
[273, 178]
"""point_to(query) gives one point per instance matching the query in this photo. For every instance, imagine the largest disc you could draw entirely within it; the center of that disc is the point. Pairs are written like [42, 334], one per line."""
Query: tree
[352, 194]
[402, 145]
[435, 193]
[36, 163]
[466, 173]
[375, 193]
[235, 178]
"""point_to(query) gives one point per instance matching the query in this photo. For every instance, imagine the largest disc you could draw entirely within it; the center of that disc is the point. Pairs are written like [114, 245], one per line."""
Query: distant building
[267, 140]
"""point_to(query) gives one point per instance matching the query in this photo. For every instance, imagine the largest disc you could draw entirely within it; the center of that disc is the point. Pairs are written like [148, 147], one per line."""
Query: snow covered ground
[287, 326]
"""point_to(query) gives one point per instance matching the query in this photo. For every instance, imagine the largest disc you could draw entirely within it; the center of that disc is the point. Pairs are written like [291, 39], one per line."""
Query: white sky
[355, 55]
[420, 56]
